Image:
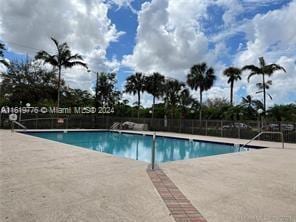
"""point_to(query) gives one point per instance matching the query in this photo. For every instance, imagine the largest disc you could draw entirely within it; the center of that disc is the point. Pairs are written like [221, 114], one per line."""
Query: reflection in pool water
[138, 147]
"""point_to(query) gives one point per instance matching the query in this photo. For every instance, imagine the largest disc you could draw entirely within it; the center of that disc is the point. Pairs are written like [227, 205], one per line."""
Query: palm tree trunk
[231, 93]
[59, 86]
[139, 102]
[264, 93]
[200, 109]
[153, 107]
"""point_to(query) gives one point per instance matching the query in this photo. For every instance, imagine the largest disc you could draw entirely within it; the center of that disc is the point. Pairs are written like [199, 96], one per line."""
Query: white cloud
[169, 40]
[84, 25]
[146, 99]
[171, 37]
[232, 9]
[2, 68]
[271, 35]
[122, 3]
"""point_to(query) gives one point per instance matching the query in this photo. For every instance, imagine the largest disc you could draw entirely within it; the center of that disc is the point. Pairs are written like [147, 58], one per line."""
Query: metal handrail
[33, 119]
[265, 132]
[17, 123]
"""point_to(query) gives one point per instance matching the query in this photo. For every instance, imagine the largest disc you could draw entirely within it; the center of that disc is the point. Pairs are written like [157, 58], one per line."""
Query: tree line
[30, 81]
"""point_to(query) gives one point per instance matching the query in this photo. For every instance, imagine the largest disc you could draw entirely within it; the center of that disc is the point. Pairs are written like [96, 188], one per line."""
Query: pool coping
[149, 133]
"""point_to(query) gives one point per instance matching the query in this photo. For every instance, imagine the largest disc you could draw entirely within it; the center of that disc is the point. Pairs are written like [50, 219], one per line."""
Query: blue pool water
[138, 147]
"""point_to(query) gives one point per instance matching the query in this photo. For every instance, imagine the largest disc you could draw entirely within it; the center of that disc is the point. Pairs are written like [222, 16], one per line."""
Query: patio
[43, 180]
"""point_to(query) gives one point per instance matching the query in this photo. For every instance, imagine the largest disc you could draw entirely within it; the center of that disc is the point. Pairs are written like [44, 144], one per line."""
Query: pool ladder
[265, 132]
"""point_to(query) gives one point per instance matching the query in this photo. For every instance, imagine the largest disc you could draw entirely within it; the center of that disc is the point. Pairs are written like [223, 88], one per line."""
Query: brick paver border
[180, 207]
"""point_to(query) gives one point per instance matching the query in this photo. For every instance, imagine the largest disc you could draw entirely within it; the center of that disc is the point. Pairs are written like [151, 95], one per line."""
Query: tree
[105, 89]
[77, 98]
[62, 59]
[173, 90]
[233, 74]
[251, 104]
[28, 82]
[261, 87]
[155, 87]
[263, 70]
[216, 108]
[185, 101]
[283, 112]
[2, 59]
[135, 84]
[201, 77]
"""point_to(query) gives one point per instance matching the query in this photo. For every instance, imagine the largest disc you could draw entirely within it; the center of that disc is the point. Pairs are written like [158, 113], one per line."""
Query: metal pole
[153, 152]
[20, 116]
[12, 126]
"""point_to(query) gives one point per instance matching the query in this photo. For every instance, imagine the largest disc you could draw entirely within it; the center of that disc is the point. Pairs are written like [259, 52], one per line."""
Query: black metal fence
[218, 128]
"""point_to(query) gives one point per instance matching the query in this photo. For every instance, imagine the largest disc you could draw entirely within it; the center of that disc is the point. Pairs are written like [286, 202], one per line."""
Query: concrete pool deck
[43, 180]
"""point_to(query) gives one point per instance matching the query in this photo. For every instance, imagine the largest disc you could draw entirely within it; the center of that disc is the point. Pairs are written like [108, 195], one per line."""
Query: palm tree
[173, 90]
[263, 70]
[2, 60]
[233, 74]
[155, 87]
[201, 77]
[251, 104]
[63, 59]
[135, 84]
[105, 91]
[186, 100]
[261, 87]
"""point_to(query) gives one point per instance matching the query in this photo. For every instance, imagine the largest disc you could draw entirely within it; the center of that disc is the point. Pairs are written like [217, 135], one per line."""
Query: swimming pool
[137, 146]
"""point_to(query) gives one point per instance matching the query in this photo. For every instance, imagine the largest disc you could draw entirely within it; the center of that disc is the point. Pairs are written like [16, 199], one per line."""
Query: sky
[166, 36]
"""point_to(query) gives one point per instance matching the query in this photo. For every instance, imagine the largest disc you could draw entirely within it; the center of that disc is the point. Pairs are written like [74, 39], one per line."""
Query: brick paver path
[180, 207]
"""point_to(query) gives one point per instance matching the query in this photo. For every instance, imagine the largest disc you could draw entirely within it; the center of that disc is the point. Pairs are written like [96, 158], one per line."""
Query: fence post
[107, 122]
[180, 123]
[221, 128]
[238, 131]
[206, 127]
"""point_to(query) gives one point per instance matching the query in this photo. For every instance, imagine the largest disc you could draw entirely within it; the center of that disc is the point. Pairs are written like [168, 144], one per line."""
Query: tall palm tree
[263, 70]
[2, 60]
[155, 87]
[135, 84]
[62, 59]
[201, 77]
[233, 74]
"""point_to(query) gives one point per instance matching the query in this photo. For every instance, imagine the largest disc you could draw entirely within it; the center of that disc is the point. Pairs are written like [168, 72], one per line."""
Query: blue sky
[158, 35]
